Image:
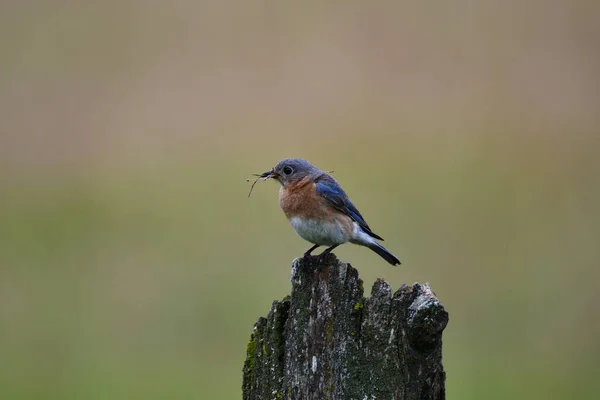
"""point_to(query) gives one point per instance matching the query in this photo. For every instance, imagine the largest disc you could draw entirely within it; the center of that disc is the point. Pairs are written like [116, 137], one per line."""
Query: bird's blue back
[328, 188]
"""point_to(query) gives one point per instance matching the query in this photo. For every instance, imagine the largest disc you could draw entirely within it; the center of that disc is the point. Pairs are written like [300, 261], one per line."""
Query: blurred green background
[133, 265]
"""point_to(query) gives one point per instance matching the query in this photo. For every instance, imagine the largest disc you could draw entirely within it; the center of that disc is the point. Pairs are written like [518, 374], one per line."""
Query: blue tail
[384, 253]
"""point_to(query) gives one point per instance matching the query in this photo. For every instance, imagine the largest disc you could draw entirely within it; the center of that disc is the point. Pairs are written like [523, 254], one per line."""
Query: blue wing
[328, 188]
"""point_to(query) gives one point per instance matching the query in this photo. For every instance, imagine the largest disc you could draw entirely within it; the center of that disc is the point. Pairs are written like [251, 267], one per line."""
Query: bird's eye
[287, 170]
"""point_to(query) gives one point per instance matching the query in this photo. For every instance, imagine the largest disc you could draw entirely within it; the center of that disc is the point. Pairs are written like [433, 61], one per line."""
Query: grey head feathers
[292, 170]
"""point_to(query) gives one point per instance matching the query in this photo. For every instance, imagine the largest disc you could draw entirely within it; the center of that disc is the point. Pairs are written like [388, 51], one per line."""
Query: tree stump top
[327, 341]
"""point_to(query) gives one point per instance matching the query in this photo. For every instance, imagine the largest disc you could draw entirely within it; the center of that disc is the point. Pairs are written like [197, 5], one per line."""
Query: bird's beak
[269, 174]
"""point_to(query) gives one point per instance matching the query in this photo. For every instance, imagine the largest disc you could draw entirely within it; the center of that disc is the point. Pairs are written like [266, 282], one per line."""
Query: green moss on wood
[359, 305]
[250, 349]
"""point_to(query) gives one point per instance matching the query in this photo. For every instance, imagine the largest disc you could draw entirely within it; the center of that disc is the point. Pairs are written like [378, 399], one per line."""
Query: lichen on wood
[327, 341]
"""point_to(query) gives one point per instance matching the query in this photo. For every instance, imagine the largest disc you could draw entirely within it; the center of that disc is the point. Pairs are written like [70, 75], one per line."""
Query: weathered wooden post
[327, 341]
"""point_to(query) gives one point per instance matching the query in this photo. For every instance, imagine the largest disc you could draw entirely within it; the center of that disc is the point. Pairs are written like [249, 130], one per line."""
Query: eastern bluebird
[320, 211]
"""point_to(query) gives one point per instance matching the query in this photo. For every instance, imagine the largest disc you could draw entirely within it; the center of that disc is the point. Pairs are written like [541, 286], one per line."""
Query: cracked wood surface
[327, 341]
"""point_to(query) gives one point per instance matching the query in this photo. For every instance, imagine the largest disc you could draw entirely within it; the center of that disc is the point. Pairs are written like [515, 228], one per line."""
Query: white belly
[326, 233]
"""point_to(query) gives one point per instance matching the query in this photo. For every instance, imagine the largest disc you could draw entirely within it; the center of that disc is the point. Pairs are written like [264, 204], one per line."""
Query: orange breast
[302, 200]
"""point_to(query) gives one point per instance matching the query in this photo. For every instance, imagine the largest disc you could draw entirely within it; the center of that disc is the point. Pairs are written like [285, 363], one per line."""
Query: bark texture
[327, 341]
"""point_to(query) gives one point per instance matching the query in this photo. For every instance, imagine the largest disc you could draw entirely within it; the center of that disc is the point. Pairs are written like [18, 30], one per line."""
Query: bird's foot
[309, 259]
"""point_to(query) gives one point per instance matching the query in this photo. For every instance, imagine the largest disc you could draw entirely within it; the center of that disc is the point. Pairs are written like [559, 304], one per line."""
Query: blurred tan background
[133, 265]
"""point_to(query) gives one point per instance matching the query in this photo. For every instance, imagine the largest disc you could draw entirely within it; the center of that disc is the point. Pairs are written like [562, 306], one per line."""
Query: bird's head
[291, 170]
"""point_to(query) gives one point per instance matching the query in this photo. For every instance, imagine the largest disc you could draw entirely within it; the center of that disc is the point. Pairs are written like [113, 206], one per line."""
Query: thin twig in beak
[265, 176]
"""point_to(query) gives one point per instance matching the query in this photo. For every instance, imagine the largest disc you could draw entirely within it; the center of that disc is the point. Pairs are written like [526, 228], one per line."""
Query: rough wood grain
[327, 341]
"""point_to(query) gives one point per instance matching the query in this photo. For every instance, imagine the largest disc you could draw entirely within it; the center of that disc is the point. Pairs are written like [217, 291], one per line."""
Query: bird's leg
[326, 251]
[307, 253]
